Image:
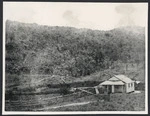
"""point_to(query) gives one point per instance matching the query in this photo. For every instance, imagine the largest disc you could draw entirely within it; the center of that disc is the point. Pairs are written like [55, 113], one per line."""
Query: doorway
[109, 89]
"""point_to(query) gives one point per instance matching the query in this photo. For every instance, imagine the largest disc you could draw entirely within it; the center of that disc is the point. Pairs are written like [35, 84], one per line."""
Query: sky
[101, 16]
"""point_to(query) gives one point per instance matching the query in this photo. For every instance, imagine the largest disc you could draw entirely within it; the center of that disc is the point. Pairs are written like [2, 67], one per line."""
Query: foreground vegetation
[118, 102]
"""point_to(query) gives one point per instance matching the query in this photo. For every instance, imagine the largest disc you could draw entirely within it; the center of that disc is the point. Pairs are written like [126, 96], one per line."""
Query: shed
[119, 84]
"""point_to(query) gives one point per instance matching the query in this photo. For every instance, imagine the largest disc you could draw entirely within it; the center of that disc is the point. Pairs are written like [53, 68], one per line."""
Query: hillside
[76, 53]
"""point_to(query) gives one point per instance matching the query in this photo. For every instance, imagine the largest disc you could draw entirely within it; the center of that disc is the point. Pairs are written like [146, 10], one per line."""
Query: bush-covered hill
[67, 51]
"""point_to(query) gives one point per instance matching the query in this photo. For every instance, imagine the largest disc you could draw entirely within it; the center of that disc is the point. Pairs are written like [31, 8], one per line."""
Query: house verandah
[115, 88]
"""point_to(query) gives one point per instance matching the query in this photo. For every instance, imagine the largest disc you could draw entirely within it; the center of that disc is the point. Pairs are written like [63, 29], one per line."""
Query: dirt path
[67, 105]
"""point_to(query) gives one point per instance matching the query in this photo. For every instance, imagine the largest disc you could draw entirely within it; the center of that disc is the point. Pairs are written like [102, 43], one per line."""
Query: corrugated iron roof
[117, 80]
[123, 78]
[112, 83]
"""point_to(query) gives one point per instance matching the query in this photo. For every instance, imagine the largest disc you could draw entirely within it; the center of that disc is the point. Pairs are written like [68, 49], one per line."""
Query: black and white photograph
[75, 58]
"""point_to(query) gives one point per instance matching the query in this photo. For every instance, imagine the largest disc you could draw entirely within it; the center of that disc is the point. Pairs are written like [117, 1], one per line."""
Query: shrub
[65, 89]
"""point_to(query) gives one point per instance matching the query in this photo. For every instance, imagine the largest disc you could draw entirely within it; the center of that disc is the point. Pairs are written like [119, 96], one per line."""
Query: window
[131, 84]
[117, 86]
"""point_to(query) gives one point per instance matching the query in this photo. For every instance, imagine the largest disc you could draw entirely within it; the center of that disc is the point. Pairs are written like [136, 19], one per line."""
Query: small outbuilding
[118, 84]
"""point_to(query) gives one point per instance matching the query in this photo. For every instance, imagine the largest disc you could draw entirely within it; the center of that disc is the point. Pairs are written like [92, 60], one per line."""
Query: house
[118, 83]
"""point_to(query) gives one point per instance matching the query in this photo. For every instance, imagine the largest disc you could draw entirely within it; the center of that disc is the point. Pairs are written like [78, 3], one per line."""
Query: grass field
[45, 102]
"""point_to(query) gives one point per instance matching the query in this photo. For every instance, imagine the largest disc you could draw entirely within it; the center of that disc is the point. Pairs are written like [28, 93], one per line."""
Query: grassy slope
[133, 72]
[118, 102]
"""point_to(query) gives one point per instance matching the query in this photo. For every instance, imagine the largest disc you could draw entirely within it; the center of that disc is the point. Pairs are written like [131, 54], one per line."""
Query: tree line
[36, 49]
